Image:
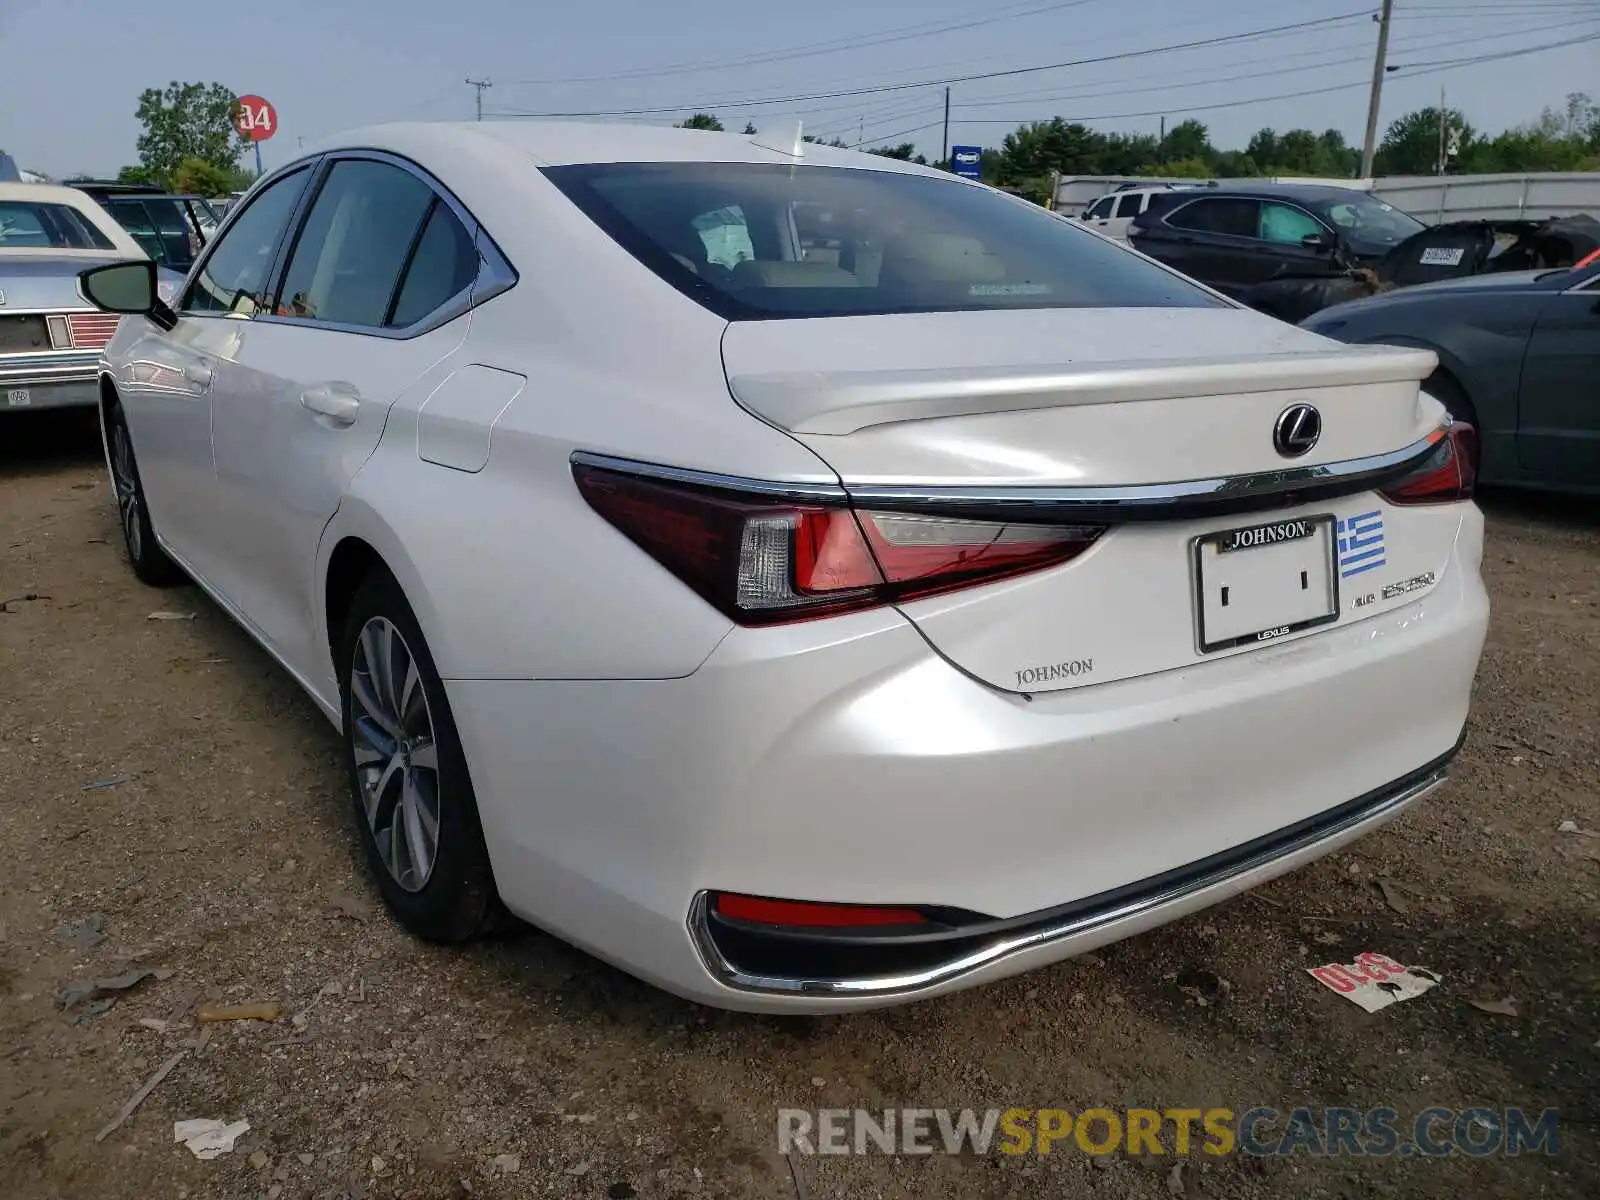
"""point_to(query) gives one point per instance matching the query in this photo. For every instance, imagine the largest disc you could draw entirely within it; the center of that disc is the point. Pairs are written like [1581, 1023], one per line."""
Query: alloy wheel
[126, 481]
[396, 755]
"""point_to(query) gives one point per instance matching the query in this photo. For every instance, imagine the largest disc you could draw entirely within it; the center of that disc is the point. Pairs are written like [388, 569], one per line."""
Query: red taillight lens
[805, 914]
[1448, 474]
[90, 331]
[767, 561]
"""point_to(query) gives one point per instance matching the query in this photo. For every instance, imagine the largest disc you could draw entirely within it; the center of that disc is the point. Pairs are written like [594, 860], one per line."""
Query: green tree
[1410, 145]
[816, 141]
[134, 174]
[749, 128]
[702, 120]
[1128, 153]
[1188, 140]
[1263, 146]
[1237, 164]
[905, 152]
[187, 120]
[1040, 147]
[204, 178]
[1184, 168]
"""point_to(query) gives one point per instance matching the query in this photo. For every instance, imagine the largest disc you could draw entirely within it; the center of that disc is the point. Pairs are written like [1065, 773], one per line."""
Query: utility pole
[1370, 146]
[1443, 121]
[1163, 136]
[948, 165]
[480, 84]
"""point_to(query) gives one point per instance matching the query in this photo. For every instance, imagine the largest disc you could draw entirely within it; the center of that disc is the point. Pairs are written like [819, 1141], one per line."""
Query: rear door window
[756, 242]
[1233, 216]
[345, 268]
[1128, 205]
[1286, 224]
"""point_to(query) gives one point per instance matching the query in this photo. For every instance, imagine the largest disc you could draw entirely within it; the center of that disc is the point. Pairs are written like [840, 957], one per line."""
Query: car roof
[49, 193]
[563, 143]
[1303, 192]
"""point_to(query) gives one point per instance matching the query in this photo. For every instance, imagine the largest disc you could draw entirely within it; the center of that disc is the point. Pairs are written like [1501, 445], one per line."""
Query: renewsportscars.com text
[1363, 1133]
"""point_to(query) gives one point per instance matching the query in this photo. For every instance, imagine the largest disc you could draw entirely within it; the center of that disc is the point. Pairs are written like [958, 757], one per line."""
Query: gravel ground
[520, 1067]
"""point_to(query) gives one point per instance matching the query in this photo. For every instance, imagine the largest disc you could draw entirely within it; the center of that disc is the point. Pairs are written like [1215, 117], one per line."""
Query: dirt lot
[225, 854]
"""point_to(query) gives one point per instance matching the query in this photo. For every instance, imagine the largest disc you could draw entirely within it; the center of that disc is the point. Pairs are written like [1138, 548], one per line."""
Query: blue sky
[71, 70]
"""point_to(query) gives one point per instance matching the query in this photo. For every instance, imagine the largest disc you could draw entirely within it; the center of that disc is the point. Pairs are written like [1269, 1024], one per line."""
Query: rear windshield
[29, 224]
[756, 242]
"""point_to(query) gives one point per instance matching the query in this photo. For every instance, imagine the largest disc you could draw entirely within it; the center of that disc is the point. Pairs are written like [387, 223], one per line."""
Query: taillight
[1447, 475]
[91, 331]
[764, 561]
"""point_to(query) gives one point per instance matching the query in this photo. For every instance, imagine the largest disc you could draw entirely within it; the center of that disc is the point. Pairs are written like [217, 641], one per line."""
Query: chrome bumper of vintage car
[58, 379]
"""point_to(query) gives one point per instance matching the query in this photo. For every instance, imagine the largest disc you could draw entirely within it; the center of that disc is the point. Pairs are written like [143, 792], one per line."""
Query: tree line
[1025, 161]
[189, 144]
[1559, 140]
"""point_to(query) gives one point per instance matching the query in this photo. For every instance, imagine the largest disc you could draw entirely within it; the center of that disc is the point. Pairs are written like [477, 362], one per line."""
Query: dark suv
[1236, 238]
[169, 228]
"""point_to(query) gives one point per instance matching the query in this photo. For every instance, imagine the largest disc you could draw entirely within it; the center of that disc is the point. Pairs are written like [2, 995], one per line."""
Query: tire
[401, 795]
[149, 563]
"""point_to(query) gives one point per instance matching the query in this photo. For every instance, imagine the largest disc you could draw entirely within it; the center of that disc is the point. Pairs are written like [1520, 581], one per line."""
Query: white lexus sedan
[806, 580]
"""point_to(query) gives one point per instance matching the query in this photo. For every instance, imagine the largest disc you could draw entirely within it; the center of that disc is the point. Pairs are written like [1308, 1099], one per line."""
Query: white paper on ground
[1374, 981]
[208, 1138]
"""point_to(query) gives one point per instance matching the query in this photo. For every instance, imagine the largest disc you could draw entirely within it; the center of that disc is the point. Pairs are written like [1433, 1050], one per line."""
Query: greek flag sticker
[1360, 543]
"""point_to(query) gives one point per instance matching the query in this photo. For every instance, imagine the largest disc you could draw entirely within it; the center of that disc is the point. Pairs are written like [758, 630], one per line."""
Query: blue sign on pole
[964, 160]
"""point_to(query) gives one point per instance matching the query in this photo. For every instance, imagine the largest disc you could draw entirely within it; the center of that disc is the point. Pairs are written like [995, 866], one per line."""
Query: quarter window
[444, 264]
[347, 262]
[233, 278]
[1286, 224]
[1234, 217]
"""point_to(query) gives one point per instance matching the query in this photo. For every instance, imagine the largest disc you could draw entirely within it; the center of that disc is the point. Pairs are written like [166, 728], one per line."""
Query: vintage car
[50, 336]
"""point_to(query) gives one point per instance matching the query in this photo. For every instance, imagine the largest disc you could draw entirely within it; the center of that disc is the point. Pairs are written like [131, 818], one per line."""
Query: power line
[1406, 46]
[1431, 69]
[905, 34]
[968, 78]
[1095, 90]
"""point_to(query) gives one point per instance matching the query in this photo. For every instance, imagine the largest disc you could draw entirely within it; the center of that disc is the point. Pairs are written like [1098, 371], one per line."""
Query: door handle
[198, 373]
[339, 402]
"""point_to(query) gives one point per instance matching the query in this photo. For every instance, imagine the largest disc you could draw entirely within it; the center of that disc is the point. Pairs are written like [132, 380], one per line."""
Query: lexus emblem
[1297, 429]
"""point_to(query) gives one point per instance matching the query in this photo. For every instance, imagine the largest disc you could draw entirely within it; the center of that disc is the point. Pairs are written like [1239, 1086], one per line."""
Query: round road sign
[255, 119]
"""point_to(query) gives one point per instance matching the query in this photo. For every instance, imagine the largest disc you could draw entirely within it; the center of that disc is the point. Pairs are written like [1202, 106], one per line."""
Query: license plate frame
[1318, 525]
[18, 398]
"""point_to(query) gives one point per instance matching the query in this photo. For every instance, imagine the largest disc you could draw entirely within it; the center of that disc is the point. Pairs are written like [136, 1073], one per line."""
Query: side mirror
[127, 288]
[122, 287]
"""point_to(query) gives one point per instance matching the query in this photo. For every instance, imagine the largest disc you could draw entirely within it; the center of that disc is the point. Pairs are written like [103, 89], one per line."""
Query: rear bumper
[64, 381]
[844, 761]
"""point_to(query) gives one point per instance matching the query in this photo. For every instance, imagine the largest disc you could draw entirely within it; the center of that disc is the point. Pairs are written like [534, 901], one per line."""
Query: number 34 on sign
[255, 119]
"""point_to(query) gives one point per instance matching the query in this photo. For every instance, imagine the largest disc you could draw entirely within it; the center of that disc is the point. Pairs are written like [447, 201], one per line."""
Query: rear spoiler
[842, 402]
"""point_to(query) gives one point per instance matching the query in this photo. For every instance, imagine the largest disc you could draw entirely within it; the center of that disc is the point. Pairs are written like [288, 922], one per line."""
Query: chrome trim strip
[80, 369]
[1222, 493]
[912, 982]
[1141, 501]
[830, 492]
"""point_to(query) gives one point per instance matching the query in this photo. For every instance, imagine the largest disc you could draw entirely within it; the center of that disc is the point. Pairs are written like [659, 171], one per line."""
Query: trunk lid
[1116, 404]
